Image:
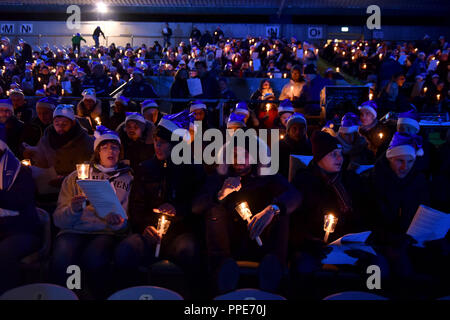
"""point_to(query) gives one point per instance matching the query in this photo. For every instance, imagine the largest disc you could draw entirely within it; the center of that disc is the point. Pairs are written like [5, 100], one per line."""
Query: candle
[292, 92]
[425, 90]
[370, 96]
[97, 119]
[364, 66]
[285, 75]
[337, 69]
[83, 171]
[190, 39]
[26, 162]
[267, 107]
[438, 96]
[163, 226]
[281, 136]
[45, 87]
[99, 55]
[264, 48]
[251, 63]
[117, 77]
[120, 60]
[39, 79]
[76, 55]
[244, 211]
[270, 76]
[330, 222]
[343, 53]
[317, 51]
[380, 135]
[59, 78]
[62, 91]
[380, 56]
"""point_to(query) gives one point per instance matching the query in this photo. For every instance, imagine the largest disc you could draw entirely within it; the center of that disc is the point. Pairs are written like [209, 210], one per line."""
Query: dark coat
[20, 198]
[158, 182]
[394, 201]
[33, 131]
[320, 199]
[14, 132]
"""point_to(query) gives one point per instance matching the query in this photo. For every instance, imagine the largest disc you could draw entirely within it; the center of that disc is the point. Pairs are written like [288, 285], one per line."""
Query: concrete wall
[55, 32]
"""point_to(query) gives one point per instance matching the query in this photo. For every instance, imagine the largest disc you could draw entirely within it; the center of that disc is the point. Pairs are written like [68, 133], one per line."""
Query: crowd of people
[130, 144]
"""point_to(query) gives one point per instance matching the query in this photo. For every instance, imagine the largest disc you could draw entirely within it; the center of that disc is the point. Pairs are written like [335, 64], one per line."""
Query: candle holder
[329, 225]
[163, 226]
[244, 211]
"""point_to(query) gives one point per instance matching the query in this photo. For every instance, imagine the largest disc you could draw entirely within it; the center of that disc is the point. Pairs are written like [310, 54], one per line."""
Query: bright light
[101, 7]
[344, 29]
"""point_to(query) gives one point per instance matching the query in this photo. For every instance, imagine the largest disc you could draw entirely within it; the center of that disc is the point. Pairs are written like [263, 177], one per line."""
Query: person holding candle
[22, 110]
[136, 134]
[296, 141]
[326, 188]
[267, 111]
[20, 232]
[376, 134]
[354, 146]
[160, 188]
[270, 198]
[86, 239]
[88, 109]
[293, 88]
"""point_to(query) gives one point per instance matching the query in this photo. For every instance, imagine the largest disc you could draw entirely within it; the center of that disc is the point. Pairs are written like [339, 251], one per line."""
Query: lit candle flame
[370, 96]
[337, 69]
[425, 90]
[83, 171]
[26, 162]
[267, 107]
[380, 135]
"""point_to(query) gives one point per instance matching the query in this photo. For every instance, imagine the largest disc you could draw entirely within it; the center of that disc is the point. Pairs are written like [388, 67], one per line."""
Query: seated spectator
[89, 111]
[150, 111]
[179, 90]
[86, 239]
[20, 233]
[293, 89]
[64, 144]
[21, 109]
[311, 90]
[271, 198]
[267, 111]
[294, 142]
[285, 110]
[265, 87]
[160, 188]
[139, 87]
[34, 130]
[120, 108]
[354, 146]
[11, 128]
[136, 135]
[376, 134]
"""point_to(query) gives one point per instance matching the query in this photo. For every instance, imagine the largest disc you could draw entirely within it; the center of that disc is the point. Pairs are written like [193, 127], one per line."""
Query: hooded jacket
[86, 220]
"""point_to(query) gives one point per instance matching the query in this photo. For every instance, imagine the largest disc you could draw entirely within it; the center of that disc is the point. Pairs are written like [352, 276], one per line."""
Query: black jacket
[394, 201]
[158, 182]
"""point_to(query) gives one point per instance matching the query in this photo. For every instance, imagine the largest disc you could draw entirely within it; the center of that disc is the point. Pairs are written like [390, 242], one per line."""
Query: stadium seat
[249, 294]
[39, 291]
[145, 293]
[354, 295]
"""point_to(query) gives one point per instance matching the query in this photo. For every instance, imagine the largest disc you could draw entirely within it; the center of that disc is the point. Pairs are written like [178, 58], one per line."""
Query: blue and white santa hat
[241, 108]
[149, 103]
[89, 94]
[410, 118]
[285, 106]
[135, 116]
[123, 100]
[349, 123]
[295, 118]
[197, 105]
[170, 123]
[103, 134]
[236, 119]
[64, 110]
[370, 106]
[405, 144]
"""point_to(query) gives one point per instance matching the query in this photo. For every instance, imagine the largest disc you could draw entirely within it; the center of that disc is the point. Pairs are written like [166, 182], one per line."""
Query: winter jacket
[139, 150]
[77, 149]
[14, 132]
[86, 220]
[33, 131]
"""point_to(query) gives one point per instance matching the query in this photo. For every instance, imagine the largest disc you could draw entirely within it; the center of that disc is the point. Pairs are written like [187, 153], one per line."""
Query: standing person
[76, 42]
[293, 89]
[19, 223]
[179, 90]
[167, 34]
[27, 52]
[195, 34]
[96, 35]
[86, 239]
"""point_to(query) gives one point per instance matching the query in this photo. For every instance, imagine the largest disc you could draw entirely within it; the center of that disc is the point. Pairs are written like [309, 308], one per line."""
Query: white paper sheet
[351, 241]
[428, 224]
[195, 87]
[42, 177]
[102, 196]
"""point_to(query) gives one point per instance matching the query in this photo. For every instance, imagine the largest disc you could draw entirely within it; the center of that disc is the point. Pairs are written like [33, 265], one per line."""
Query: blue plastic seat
[39, 291]
[249, 294]
[145, 293]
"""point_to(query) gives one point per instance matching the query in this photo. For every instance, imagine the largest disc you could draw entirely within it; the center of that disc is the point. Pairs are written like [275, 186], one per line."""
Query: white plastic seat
[249, 294]
[39, 291]
[145, 293]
